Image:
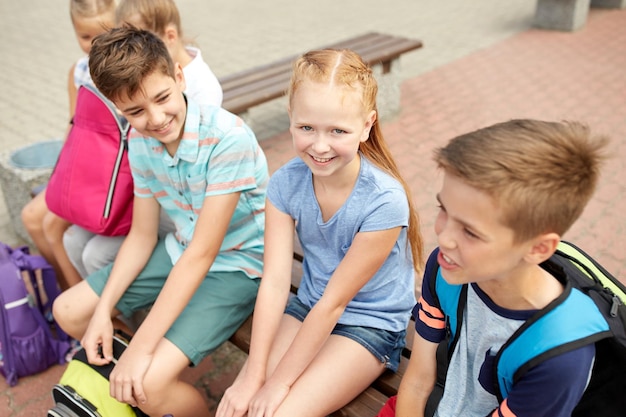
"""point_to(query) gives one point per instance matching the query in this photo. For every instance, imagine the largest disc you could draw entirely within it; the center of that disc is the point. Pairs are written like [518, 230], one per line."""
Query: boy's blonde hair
[541, 174]
[346, 69]
[91, 8]
[122, 58]
[156, 15]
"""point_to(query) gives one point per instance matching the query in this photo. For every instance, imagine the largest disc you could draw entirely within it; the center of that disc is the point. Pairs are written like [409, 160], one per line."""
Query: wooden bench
[370, 401]
[256, 86]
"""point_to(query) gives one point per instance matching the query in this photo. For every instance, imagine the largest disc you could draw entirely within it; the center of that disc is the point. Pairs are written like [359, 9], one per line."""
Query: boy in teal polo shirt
[204, 167]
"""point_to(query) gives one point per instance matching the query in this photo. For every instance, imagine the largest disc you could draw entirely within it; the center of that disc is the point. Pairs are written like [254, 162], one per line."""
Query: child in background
[89, 19]
[355, 220]
[87, 251]
[510, 191]
[204, 167]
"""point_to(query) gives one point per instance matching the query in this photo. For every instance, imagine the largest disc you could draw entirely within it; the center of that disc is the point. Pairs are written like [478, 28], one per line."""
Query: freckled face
[328, 124]
[158, 109]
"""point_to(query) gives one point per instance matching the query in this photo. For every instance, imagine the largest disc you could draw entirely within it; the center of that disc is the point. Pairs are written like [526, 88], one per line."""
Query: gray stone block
[17, 184]
[564, 15]
[608, 4]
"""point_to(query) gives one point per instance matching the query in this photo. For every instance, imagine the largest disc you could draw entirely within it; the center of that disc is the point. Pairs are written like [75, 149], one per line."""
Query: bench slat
[367, 404]
[270, 81]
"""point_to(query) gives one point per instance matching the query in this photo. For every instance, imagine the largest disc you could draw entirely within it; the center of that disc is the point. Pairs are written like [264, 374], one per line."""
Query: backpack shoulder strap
[451, 299]
[572, 320]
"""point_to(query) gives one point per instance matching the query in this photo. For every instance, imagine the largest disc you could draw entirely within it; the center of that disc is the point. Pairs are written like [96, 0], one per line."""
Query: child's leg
[33, 214]
[54, 227]
[75, 239]
[74, 307]
[101, 251]
[166, 393]
[220, 305]
[341, 370]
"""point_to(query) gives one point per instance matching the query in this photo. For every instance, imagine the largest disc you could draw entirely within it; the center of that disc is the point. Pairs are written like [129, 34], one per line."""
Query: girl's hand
[98, 339]
[236, 399]
[268, 399]
[126, 379]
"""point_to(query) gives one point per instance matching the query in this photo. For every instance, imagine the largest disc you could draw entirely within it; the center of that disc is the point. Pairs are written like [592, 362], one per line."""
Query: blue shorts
[385, 345]
[222, 302]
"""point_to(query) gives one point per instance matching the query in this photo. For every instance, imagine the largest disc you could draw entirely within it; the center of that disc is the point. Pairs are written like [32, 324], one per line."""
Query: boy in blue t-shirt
[509, 192]
[204, 167]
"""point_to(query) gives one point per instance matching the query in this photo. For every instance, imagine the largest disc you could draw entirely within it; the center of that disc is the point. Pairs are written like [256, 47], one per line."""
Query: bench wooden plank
[270, 81]
[366, 404]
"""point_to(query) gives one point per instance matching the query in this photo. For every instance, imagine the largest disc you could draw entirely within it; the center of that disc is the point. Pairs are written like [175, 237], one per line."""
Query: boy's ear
[179, 76]
[542, 248]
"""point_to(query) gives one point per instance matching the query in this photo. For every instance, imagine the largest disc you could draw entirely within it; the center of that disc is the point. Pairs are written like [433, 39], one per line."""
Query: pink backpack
[91, 185]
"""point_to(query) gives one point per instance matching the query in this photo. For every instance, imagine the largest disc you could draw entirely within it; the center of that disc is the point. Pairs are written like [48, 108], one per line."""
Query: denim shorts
[385, 345]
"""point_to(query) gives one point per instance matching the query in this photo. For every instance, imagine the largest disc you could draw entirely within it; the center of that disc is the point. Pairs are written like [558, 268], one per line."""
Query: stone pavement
[482, 62]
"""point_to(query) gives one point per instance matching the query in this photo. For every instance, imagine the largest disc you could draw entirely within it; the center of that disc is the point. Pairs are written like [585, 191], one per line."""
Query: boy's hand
[98, 339]
[126, 379]
[237, 398]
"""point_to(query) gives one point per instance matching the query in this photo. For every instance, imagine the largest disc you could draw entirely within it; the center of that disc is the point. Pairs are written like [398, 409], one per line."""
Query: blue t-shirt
[218, 154]
[377, 202]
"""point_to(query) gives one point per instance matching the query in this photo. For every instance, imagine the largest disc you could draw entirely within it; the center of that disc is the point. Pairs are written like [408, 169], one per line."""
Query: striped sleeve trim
[430, 316]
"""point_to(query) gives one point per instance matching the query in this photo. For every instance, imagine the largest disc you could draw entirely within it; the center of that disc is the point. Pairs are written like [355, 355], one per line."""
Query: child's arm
[366, 255]
[132, 257]
[72, 92]
[181, 284]
[268, 311]
[418, 380]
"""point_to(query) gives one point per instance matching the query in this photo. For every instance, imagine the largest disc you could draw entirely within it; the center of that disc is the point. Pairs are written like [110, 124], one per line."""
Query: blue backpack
[30, 340]
[592, 309]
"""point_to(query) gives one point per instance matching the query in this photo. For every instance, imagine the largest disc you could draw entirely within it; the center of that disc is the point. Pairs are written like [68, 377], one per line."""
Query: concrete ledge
[564, 15]
[609, 4]
[16, 186]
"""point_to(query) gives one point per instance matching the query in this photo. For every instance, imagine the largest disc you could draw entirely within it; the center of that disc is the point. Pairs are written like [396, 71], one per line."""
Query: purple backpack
[30, 340]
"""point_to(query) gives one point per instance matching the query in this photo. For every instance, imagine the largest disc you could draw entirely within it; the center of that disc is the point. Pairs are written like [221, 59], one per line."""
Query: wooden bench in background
[370, 401]
[256, 86]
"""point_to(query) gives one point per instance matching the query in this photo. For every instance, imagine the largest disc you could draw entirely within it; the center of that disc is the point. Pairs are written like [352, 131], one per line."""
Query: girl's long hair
[345, 67]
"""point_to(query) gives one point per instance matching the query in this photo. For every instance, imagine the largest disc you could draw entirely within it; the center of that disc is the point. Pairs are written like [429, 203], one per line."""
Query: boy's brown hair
[541, 174]
[122, 58]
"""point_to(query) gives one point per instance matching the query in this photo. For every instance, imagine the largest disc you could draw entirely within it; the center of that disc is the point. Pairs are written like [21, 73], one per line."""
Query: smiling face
[158, 109]
[327, 126]
[474, 245]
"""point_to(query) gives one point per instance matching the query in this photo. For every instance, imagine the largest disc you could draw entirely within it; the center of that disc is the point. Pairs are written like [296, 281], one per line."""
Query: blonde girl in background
[162, 18]
[89, 19]
[87, 251]
[359, 231]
